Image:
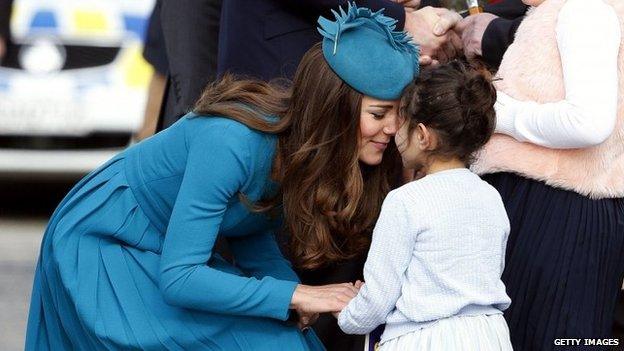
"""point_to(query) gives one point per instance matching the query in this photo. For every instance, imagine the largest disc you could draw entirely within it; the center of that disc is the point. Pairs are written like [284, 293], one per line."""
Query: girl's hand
[309, 300]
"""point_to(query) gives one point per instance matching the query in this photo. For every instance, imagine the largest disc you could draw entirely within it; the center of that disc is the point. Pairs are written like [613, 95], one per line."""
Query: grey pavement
[19, 247]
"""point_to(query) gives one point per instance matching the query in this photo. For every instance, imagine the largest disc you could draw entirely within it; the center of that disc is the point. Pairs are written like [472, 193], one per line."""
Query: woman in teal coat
[128, 261]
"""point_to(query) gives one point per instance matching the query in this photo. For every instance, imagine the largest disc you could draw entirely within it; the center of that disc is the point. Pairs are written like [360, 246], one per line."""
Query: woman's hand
[306, 320]
[358, 284]
[310, 300]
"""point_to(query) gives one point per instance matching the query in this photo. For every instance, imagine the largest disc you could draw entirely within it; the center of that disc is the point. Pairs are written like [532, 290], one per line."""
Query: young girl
[434, 267]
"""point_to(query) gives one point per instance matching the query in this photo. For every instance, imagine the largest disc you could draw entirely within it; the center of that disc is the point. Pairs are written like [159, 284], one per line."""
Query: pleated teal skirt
[96, 284]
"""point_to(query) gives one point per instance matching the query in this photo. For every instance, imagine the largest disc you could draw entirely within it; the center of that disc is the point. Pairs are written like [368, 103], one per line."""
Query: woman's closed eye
[379, 112]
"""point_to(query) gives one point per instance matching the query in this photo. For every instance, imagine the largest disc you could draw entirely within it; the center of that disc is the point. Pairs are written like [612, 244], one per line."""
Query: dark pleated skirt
[564, 263]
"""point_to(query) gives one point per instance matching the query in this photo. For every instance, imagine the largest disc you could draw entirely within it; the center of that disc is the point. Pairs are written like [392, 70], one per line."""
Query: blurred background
[73, 91]
[73, 88]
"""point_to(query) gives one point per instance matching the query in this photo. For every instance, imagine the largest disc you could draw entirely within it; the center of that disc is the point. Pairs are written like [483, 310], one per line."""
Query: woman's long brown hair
[330, 200]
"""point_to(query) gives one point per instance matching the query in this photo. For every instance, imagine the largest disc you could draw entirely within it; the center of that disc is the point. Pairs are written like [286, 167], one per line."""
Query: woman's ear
[427, 139]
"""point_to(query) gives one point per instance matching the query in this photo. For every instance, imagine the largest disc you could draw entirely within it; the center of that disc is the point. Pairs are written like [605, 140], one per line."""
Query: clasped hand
[431, 28]
[471, 29]
[309, 301]
[442, 34]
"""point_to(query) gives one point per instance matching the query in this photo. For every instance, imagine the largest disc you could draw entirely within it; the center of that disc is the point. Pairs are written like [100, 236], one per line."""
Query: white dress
[457, 333]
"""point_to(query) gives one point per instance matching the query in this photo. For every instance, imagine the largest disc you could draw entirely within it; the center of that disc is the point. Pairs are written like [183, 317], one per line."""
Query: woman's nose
[391, 126]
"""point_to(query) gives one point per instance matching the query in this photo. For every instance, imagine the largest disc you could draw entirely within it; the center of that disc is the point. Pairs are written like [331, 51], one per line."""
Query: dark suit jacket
[267, 40]
[154, 50]
[5, 16]
[500, 32]
[190, 29]
[264, 39]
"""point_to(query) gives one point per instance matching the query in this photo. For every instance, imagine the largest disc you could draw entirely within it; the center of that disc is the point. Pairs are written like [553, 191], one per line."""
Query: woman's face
[533, 2]
[379, 122]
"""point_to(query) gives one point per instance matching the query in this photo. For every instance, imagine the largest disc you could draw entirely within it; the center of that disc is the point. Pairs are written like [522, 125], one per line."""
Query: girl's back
[457, 228]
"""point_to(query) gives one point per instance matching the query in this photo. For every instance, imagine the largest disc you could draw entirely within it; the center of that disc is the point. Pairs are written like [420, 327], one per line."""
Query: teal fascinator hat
[364, 50]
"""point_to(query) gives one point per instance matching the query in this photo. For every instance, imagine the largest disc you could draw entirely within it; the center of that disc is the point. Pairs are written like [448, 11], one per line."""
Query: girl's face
[410, 155]
[379, 122]
[415, 146]
[533, 2]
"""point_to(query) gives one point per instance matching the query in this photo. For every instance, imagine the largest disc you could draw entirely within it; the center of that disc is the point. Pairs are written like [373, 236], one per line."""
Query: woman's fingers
[306, 319]
[338, 287]
[351, 288]
[311, 300]
[340, 302]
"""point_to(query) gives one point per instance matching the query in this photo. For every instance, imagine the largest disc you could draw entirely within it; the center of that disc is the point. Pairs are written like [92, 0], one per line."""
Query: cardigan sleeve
[388, 259]
[587, 115]
[218, 166]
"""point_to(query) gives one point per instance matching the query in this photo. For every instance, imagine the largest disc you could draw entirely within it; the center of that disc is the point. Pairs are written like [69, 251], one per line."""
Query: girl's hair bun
[457, 101]
[477, 92]
[477, 96]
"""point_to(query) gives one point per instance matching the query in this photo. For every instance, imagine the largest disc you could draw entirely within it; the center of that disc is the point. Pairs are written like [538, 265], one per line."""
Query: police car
[73, 89]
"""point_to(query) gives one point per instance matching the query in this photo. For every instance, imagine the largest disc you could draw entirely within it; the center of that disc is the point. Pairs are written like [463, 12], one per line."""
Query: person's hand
[410, 5]
[447, 21]
[309, 300]
[471, 30]
[2, 48]
[358, 285]
[431, 28]
[306, 320]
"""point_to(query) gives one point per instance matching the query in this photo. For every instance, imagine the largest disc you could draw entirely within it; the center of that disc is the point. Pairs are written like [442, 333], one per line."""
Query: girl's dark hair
[457, 102]
[330, 201]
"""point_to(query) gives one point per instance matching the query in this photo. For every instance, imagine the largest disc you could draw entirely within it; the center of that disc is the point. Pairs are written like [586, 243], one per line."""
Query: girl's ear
[427, 139]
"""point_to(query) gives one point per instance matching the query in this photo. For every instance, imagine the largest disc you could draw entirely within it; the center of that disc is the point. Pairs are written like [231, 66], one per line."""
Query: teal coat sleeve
[260, 256]
[218, 167]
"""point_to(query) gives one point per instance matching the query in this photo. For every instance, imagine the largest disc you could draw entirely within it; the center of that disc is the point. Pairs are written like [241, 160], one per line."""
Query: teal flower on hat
[363, 48]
